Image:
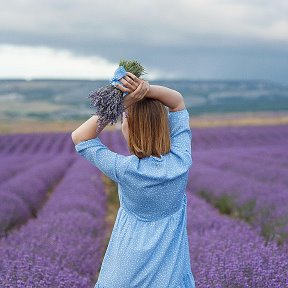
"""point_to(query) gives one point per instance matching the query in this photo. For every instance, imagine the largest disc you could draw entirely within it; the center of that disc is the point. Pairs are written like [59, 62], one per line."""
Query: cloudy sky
[192, 39]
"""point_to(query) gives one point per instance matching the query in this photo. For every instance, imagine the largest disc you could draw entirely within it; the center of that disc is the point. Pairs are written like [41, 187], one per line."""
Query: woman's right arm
[169, 97]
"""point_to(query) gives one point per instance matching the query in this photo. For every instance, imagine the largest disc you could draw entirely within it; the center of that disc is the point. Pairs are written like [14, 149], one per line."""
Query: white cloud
[43, 62]
[278, 30]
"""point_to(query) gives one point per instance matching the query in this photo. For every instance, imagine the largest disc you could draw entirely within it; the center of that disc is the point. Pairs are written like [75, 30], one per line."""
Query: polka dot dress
[149, 243]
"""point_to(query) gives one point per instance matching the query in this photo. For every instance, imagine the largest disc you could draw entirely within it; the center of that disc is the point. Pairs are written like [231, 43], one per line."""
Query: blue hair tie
[119, 73]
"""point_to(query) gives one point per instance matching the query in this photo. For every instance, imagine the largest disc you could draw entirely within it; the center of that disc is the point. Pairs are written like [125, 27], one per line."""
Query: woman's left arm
[86, 131]
[89, 146]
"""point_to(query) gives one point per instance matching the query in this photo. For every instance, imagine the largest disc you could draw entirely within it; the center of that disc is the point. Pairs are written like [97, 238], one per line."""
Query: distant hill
[68, 99]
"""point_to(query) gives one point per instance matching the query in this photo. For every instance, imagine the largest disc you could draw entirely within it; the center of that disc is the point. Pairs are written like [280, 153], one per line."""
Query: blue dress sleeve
[181, 134]
[110, 163]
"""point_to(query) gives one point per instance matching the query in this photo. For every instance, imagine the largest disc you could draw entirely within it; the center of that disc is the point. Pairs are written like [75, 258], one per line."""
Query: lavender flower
[108, 100]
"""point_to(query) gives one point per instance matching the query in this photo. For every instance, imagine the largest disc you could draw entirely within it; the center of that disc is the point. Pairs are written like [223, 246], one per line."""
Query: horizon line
[152, 80]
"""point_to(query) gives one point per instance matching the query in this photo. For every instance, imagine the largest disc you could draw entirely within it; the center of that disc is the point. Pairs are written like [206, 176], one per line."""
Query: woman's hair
[149, 132]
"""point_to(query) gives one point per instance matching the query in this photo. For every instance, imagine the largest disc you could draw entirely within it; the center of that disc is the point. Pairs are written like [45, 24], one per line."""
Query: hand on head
[137, 88]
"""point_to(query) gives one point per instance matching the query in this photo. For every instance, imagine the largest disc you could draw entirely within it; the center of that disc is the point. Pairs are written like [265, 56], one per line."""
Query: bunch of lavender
[108, 100]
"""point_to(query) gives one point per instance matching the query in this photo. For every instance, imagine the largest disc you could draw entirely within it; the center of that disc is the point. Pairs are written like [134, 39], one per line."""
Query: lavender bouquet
[108, 100]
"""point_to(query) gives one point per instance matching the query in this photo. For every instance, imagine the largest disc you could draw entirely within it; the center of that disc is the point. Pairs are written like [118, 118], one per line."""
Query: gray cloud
[197, 39]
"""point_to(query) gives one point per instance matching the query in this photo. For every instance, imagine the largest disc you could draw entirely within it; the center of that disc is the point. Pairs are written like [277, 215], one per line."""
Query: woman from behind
[149, 244]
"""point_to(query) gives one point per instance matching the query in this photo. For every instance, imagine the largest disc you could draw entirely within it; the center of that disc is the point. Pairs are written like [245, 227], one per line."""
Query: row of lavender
[31, 166]
[247, 182]
[35, 144]
[52, 215]
[226, 252]
[211, 235]
[63, 246]
[25, 188]
[239, 137]
[38, 144]
[203, 139]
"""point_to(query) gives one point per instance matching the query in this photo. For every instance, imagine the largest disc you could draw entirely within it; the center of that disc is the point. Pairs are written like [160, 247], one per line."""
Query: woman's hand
[136, 88]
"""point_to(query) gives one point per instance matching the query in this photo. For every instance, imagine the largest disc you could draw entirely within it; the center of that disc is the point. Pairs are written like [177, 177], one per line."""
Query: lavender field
[53, 206]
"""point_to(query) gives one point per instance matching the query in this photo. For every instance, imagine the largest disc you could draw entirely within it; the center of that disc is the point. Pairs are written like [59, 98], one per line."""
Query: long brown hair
[149, 132]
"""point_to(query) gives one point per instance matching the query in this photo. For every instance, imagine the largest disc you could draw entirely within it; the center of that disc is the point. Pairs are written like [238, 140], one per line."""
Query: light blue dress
[149, 243]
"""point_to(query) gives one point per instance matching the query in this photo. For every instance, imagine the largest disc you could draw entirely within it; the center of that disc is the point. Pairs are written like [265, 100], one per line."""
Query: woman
[149, 244]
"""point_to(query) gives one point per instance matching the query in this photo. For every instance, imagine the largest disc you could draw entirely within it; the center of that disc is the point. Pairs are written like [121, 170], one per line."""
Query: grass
[110, 189]
[271, 229]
